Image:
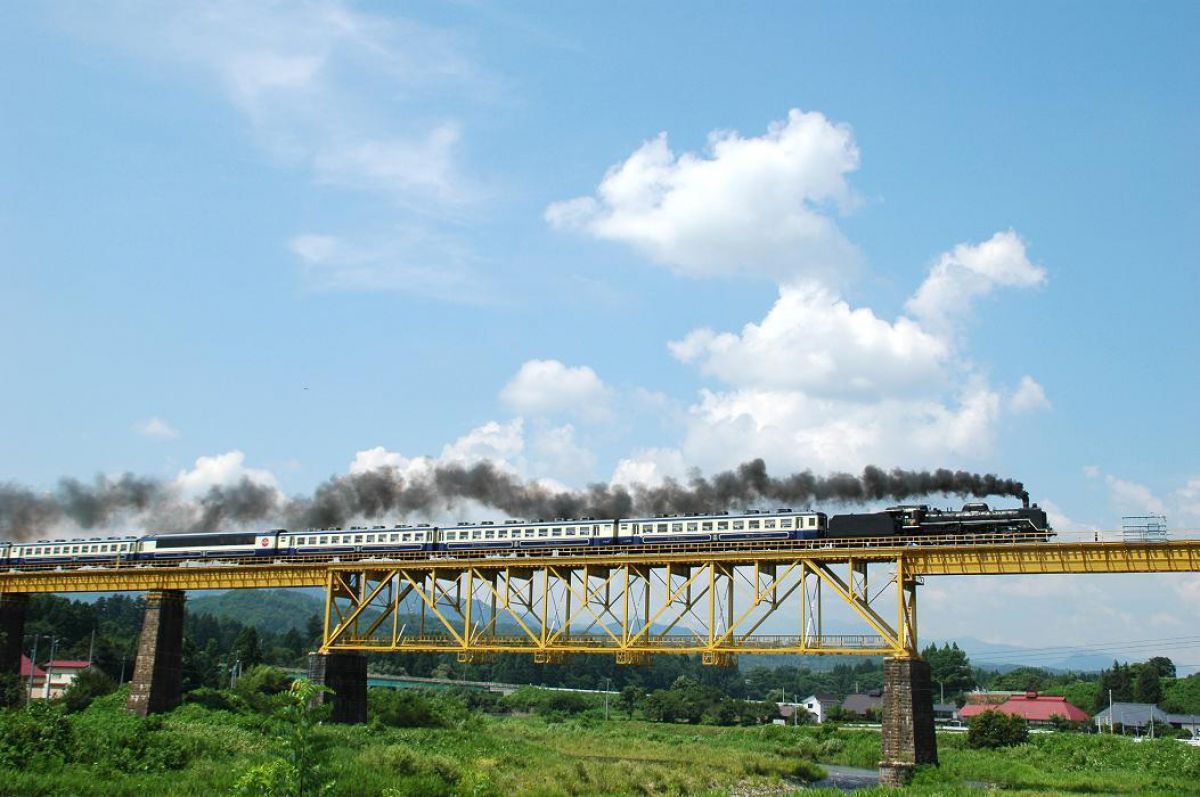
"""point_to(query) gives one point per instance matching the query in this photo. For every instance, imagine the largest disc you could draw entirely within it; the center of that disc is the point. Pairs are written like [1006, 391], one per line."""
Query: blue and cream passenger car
[53, 551]
[209, 545]
[781, 524]
[513, 534]
[359, 540]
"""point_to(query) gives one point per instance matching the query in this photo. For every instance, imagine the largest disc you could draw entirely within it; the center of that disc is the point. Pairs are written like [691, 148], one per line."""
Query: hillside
[275, 610]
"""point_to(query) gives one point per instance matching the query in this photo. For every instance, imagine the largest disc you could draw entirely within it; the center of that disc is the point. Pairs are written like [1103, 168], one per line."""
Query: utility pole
[1110, 724]
[32, 666]
[607, 686]
[49, 669]
[92, 647]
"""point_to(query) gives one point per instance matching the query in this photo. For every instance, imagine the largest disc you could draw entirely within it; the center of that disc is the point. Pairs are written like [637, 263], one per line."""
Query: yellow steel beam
[1180, 556]
[986, 558]
[141, 579]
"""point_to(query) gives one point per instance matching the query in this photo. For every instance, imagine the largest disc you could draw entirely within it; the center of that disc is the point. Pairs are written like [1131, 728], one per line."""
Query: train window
[543, 532]
[812, 521]
[693, 526]
[722, 525]
[769, 524]
[475, 535]
[676, 527]
[396, 537]
[370, 538]
[785, 523]
[738, 525]
[662, 527]
[74, 549]
[358, 537]
[707, 527]
[753, 524]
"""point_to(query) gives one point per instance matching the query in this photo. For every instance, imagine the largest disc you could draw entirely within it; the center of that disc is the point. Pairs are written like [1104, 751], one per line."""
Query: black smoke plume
[386, 494]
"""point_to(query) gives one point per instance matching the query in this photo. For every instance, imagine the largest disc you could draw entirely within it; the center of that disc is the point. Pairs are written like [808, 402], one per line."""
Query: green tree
[1183, 696]
[993, 729]
[1119, 681]
[1023, 679]
[1164, 667]
[248, 648]
[1147, 687]
[949, 667]
[631, 698]
[86, 687]
[300, 771]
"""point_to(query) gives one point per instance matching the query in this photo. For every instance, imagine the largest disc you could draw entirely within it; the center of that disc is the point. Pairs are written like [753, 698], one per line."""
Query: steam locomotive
[919, 519]
[520, 535]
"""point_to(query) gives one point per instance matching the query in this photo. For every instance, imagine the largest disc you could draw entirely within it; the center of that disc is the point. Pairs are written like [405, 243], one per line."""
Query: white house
[819, 704]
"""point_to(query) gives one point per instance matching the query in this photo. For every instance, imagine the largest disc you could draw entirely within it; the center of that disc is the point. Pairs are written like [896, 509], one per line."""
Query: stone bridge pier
[345, 675]
[158, 672]
[908, 733]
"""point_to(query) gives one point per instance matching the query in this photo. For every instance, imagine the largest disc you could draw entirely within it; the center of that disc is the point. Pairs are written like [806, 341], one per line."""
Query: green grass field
[200, 751]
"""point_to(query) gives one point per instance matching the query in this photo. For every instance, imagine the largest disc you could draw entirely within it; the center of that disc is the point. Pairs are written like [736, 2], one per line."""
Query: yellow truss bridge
[635, 602]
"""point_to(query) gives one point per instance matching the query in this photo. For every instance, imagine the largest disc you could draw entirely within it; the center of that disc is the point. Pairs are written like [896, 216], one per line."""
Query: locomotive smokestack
[1025, 498]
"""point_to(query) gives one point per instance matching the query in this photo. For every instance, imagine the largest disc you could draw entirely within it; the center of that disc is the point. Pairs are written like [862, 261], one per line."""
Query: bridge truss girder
[631, 609]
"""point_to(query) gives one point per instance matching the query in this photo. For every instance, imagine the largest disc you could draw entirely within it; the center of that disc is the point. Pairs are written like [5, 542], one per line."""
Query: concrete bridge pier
[13, 608]
[346, 675]
[908, 735]
[158, 672]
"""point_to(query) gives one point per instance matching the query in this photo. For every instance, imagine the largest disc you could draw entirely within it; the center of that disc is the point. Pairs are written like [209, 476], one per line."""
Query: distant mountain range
[1003, 658]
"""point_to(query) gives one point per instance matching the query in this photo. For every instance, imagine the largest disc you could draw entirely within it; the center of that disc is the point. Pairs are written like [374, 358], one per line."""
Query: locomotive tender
[521, 535]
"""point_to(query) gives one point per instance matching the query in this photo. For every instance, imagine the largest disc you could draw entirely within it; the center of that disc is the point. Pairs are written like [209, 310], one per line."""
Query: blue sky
[289, 240]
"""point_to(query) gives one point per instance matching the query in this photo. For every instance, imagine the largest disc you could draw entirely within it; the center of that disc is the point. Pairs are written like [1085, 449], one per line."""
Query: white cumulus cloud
[813, 341]
[546, 387]
[1131, 498]
[970, 271]
[220, 470]
[1029, 396]
[748, 206]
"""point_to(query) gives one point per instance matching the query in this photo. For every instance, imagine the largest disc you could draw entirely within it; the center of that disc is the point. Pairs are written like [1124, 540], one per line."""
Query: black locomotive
[920, 519]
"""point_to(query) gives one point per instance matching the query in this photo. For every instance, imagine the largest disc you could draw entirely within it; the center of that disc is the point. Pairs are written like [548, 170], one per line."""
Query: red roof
[68, 664]
[38, 672]
[1033, 707]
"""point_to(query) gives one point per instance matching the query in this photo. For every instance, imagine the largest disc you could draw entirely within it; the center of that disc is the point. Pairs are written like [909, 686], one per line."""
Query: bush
[39, 732]
[110, 737]
[260, 685]
[993, 729]
[403, 708]
[87, 686]
[217, 699]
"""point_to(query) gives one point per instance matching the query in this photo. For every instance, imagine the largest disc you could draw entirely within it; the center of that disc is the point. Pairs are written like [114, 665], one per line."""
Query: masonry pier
[13, 608]
[346, 675]
[158, 673]
[908, 734]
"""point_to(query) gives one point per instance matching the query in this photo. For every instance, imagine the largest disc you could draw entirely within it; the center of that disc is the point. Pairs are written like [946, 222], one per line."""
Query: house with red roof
[1035, 708]
[60, 673]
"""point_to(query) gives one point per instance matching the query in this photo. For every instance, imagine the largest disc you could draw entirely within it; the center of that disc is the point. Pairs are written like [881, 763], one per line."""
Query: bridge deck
[951, 555]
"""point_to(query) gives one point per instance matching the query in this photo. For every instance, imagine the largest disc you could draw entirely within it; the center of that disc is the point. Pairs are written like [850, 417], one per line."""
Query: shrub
[38, 732]
[110, 737]
[403, 708]
[260, 685]
[87, 686]
[217, 699]
[993, 729]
